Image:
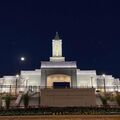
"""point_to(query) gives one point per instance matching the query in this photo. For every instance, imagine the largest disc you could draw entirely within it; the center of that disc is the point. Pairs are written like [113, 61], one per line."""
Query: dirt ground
[63, 117]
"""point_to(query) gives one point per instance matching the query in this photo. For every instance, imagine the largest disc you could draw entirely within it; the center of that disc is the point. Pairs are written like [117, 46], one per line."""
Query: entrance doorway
[61, 85]
[58, 80]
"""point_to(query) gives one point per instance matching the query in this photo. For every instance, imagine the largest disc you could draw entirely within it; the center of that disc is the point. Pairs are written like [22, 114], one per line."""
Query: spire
[57, 36]
[57, 49]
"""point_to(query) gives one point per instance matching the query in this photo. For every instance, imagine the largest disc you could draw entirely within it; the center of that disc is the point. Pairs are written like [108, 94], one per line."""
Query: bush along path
[60, 111]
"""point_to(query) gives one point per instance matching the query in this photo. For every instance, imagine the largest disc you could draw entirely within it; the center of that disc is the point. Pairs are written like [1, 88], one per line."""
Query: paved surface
[62, 117]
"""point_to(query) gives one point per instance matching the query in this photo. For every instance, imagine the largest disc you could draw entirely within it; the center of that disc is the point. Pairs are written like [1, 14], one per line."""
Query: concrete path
[63, 117]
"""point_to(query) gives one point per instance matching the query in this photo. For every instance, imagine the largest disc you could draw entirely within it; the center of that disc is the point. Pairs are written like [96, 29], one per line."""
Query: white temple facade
[56, 72]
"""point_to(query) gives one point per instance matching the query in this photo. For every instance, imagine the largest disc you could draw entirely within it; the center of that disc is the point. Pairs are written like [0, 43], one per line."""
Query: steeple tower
[57, 49]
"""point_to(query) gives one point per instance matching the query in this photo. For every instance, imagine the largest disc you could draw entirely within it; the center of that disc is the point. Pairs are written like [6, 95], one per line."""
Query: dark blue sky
[90, 30]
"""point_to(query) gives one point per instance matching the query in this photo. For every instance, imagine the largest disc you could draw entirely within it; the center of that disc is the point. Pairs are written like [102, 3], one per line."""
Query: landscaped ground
[63, 117]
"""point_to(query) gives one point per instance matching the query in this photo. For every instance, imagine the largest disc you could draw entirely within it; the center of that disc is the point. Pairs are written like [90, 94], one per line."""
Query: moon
[22, 58]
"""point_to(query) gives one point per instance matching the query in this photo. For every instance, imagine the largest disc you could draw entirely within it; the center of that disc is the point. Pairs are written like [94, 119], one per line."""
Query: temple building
[59, 73]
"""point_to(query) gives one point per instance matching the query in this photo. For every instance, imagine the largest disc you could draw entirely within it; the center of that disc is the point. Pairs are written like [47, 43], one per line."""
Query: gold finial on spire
[57, 36]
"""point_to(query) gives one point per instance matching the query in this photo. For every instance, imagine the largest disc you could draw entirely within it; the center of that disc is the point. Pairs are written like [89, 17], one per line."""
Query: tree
[104, 100]
[7, 100]
[0, 101]
[118, 98]
[26, 100]
[116, 85]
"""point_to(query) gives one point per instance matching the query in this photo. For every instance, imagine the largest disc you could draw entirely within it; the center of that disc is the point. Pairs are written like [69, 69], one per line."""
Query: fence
[12, 89]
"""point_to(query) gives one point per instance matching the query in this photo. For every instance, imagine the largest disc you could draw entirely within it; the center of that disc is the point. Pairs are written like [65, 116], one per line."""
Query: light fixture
[103, 75]
[17, 76]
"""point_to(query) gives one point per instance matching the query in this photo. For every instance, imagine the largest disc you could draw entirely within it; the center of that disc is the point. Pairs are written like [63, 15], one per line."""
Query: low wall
[68, 97]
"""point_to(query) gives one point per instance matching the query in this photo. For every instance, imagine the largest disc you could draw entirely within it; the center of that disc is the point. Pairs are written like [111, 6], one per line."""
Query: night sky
[90, 30]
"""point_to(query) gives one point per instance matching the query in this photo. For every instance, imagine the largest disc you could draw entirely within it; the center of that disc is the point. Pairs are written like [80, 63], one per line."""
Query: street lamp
[27, 78]
[104, 83]
[92, 82]
[17, 77]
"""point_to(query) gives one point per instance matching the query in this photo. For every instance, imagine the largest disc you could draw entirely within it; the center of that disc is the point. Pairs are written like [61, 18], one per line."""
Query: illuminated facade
[60, 73]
